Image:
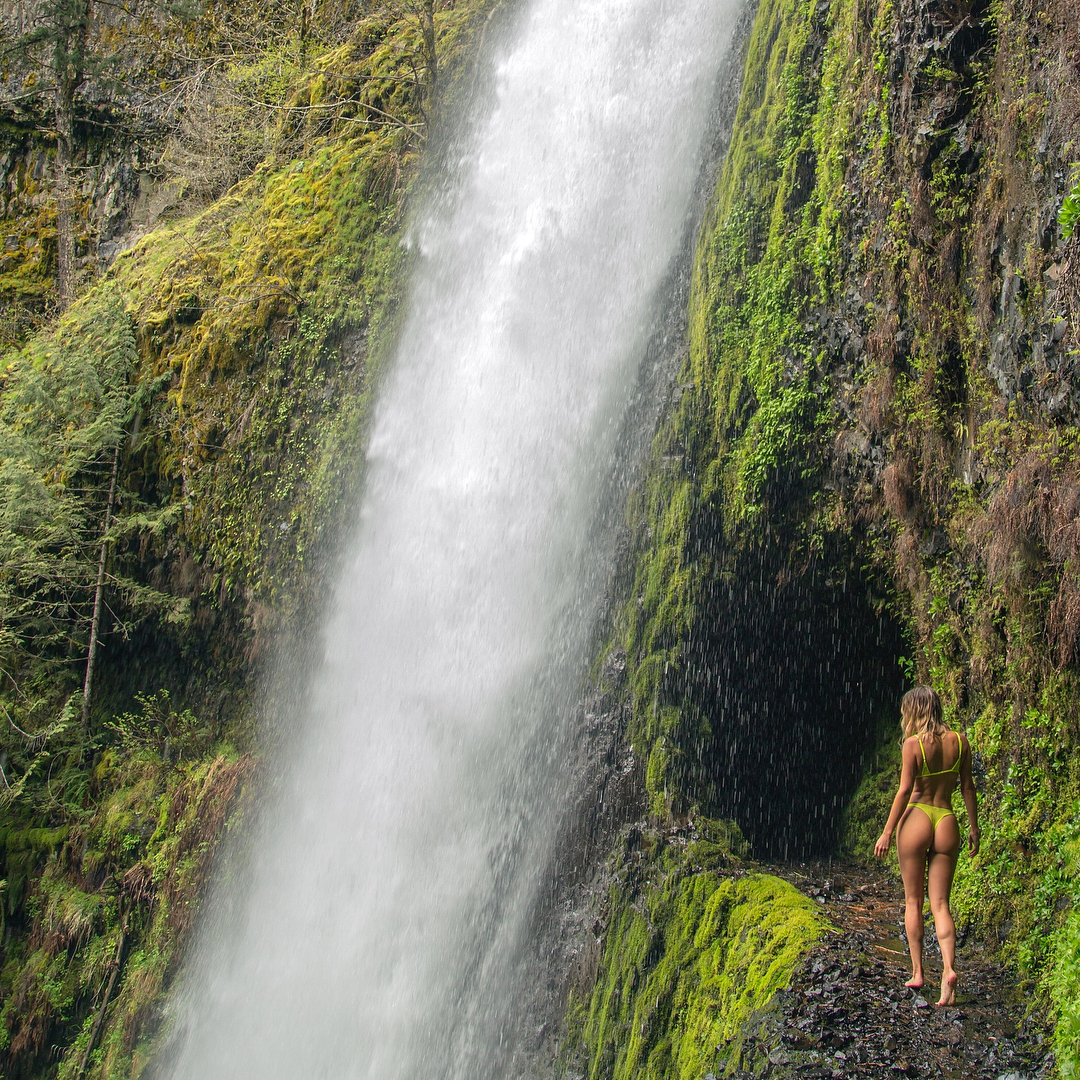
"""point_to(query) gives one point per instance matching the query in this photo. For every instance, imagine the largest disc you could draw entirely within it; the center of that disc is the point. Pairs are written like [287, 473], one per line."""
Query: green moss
[134, 864]
[866, 813]
[840, 200]
[263, 415]
[38, 840]
[743, 428]
[689, 957]
[1065, 990]
[273, 310]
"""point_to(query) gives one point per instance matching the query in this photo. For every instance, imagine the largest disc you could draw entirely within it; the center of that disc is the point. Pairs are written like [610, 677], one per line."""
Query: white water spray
[377, 933]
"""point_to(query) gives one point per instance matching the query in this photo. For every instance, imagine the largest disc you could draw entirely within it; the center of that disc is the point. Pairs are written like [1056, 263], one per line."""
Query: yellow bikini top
[953, 768]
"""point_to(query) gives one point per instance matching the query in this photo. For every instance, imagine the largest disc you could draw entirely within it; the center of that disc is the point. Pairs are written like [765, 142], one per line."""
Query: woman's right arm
[967, 791]
[903, 797]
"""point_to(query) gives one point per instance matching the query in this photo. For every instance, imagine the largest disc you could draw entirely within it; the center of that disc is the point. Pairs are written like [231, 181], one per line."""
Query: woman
[928, 842]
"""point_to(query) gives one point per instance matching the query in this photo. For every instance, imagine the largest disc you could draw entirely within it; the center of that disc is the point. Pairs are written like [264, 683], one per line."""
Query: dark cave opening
[792, 680]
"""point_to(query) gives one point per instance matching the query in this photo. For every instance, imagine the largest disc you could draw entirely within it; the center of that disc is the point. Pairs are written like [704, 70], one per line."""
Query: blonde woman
[935, 760]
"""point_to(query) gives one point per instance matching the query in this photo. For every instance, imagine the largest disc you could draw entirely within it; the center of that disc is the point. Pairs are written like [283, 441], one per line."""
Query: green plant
[1065, 990]
[159, 727]
[66, 400]
[1069, 214]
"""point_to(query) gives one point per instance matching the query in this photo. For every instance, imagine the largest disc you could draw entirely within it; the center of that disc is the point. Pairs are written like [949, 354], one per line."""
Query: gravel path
[847, 1012]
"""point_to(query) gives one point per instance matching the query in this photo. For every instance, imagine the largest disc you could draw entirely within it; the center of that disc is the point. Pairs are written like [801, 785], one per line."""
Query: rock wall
[120, 194]
[872, 462]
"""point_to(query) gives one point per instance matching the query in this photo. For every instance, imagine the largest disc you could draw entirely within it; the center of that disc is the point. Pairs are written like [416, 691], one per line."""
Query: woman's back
[939, 772]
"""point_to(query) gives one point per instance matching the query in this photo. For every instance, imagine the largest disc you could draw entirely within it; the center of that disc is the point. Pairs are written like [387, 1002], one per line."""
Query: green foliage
[690, 956]
[55, 51]
[839, 203]
[64, 402]
[68, 44]
[123, 879]
[272, 310]
[1069, 214]
[271, 99]
[1065, 990]
[158, 726]
[235, 122]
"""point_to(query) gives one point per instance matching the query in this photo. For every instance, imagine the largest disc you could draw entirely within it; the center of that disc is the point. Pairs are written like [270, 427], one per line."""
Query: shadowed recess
[791, 680]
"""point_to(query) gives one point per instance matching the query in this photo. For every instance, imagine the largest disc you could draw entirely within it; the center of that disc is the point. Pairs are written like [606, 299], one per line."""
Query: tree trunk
[118, 962]
[95, 621]
[431, 59]
[65, 198]
[69, 57]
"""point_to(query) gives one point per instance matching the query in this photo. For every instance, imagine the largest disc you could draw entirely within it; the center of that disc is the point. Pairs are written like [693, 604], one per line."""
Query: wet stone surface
[847, 1012]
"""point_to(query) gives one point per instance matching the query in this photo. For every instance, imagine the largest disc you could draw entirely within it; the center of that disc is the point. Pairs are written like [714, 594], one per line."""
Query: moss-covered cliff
[869, 475]
[256, 323]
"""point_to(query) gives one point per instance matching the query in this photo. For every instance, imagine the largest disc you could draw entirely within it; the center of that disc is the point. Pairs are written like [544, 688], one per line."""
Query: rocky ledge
[847, 1014]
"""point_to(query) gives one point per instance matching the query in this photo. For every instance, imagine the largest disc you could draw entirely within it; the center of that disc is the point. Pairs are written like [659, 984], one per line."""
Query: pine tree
[66, 403]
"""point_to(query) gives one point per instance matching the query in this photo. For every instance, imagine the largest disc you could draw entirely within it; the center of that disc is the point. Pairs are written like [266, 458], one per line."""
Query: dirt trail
[847, 1012]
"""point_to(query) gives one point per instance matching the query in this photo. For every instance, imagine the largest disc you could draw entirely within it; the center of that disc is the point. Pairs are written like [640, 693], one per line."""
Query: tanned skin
[928, 856]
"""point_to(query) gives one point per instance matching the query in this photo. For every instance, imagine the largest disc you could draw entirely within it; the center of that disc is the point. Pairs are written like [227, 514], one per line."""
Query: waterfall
[376, 932]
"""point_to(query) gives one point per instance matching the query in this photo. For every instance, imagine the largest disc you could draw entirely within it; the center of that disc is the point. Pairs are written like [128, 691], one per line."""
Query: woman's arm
[903, 796]
[967, 790]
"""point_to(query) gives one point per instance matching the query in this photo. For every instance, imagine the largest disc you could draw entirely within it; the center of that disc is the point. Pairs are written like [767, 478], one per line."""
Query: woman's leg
[913, 840]
[939, 878]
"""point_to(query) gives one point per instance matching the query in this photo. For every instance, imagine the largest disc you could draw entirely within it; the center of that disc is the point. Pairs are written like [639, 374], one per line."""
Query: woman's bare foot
[948, 988]
[915, 982]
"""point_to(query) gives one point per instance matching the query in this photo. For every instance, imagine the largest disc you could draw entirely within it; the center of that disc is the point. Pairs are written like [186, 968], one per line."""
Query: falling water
[376, 933]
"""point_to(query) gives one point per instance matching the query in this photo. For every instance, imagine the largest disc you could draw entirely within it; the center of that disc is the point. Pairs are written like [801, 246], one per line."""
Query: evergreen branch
[24, 734]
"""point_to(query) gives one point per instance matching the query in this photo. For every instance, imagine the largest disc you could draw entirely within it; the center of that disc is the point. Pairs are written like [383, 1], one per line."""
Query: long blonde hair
[920, 714]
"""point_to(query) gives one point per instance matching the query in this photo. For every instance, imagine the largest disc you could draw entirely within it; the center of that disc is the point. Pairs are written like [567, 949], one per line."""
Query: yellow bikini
[937, 814]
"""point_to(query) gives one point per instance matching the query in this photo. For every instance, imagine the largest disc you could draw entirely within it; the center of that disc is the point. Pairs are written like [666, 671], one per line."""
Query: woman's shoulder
[911, 745]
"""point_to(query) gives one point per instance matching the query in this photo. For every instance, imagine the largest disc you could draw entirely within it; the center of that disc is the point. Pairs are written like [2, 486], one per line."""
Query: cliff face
[870, 475]
[256, 323]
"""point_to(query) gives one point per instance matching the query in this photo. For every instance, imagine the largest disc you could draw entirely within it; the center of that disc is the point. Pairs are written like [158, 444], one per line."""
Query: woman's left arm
[903, 796]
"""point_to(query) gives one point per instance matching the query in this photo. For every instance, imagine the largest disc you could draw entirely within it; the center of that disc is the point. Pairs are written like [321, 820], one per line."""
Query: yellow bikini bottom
[936, 814]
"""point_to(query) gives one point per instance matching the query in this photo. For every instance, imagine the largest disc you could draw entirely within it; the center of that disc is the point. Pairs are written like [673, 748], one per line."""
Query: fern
[1069, 215]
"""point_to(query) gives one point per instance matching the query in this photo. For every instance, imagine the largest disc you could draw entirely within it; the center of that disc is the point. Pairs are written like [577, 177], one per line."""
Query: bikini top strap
[925, 766]
[959, 751]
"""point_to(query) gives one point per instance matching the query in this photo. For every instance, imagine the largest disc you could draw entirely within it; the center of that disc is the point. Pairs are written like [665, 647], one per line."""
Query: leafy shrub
[1069, 215]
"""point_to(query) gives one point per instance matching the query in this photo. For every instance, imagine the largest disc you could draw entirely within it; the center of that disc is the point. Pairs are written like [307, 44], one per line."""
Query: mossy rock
[694, 948]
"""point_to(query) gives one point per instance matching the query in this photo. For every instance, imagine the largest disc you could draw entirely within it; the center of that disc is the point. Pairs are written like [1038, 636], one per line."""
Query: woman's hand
[881, 848]
[973, 840]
